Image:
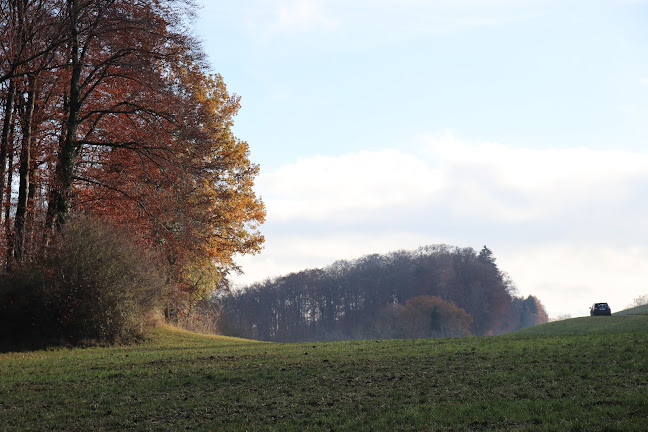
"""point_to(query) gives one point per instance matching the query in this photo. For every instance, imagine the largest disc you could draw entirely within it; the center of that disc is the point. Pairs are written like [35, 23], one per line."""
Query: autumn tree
[31, 35]
[533, 312]
[431, 317]
[192, 197]
[115, 57]
[144, 133]
[108, 111]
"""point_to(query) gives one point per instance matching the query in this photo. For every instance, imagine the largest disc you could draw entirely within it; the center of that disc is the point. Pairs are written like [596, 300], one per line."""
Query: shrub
[94, 284]
[429, 316]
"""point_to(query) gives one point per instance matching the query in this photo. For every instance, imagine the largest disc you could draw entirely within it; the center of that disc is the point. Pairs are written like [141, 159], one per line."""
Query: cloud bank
[567, 224]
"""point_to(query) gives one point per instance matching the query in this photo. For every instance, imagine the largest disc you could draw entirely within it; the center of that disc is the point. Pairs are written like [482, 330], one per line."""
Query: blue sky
[383, 125]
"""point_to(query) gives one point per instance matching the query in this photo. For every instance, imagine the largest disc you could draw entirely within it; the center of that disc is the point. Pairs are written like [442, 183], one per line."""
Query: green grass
[639, 310]
[181, 381]
[586, 325]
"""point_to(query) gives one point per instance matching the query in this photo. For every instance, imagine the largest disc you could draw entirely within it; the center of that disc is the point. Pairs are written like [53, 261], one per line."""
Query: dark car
[600, 309]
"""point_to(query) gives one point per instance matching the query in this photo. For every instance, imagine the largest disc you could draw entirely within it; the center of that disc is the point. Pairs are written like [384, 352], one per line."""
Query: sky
[381, 125]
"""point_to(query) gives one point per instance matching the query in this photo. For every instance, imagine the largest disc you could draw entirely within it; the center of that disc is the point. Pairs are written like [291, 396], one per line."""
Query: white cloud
[267, 19]
[531, 184]
[568, 224]
[324, 188]
[304, 15]
[456, 178]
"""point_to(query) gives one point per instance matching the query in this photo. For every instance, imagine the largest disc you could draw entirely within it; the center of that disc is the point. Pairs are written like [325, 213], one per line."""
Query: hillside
[639, 310]
[184, 381]
[629, 320]
[583, 325]
[434, 291]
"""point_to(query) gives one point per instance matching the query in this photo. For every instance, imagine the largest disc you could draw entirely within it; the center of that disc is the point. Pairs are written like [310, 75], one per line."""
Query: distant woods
[435, 291]
[108, 113]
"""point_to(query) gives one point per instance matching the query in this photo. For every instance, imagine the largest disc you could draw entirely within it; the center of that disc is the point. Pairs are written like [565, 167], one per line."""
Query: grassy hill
[183, 381]
[639, 310]
[596, 324]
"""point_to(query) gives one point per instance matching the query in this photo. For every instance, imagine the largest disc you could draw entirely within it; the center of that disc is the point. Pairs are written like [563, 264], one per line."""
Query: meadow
[584, 374]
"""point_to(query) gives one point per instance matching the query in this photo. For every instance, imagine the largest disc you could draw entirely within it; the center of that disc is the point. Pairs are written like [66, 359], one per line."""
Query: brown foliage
[431, 317]
[108, 111]
[127, 127]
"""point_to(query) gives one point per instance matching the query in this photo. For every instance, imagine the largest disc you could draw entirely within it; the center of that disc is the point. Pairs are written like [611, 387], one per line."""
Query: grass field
[590, 325]
[639, 310]
[554, 377]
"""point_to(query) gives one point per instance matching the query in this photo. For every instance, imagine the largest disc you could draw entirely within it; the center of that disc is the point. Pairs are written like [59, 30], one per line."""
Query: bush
[432, 317]
[93, 285]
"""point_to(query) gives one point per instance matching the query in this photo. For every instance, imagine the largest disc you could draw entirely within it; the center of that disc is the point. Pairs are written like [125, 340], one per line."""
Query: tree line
[108, 113]
[434, 291]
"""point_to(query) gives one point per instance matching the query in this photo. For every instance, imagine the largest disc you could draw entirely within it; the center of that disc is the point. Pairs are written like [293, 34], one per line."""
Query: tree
[192, 194]
[533, 312]
[24, 170]
[486, 256]
[107, 110]
[639, 300]
[425, 317]
[116, 55]
[32, 34]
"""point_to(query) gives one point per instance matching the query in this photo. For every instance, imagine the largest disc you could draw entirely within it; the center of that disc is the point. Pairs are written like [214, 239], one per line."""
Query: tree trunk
[6, 128]
[24, 170]
[69, 150]
[32, 203]
[7, 213]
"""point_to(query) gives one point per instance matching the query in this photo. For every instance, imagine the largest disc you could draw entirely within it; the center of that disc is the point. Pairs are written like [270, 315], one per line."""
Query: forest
[117, 161]
[434, 291]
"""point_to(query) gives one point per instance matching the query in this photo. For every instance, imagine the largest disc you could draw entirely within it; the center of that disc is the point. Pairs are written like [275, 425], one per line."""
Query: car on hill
[600, 309]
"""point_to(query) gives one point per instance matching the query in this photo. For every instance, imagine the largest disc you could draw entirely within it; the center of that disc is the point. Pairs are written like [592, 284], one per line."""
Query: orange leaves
[134, 130]
[431, 316]
[187, 185]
